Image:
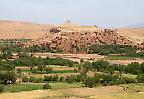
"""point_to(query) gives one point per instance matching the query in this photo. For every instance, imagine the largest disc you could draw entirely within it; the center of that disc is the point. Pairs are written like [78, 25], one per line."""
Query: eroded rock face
[71, 39]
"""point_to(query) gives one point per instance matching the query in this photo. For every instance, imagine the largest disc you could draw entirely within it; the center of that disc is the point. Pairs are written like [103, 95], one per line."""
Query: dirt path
[125, 62]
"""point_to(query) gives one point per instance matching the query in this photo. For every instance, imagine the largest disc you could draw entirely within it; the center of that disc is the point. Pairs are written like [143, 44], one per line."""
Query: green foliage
[7, 77]
[23, 55]
[125, 50]
[134, 68]
[23, 87]
[38, 80]
[31, 79]
[87, 66]
[35, 80]
[100, 64]
[89, 82]
[46, 86]
[1, 88]
[61, 79]
[29, 61]
[47, 78]
[71, 79]
[140, 78]
[55, 78]
[6, 53]
[80, 77]
[25, 79]
[48, 70]
[81, 60]
[111, 49]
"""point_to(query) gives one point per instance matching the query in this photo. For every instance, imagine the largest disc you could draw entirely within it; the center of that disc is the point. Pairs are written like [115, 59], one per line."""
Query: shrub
[81, 60]
[134, 68]
[32, 79]
[140, 78]
[1, 88]
[25, 79]
[129, 80]
[46, 86]
[61, 79]
[70, 79]
[79, 78]
[111, 83]
[8, 77]
[47, 78]
[48, 69]
[38, 80]
[89, 82]
[55, 78]
[34, 70]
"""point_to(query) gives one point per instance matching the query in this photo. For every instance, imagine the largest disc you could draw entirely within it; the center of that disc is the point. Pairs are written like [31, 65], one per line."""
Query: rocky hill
[69, 37]
[74, 38]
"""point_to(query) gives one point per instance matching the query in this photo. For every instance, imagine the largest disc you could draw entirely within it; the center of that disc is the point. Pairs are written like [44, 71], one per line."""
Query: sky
[104, 13]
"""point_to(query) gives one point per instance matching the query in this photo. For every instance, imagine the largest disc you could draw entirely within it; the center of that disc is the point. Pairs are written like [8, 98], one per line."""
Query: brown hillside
[137, 34]
[68, 36]
[19, 30]
[71, 39]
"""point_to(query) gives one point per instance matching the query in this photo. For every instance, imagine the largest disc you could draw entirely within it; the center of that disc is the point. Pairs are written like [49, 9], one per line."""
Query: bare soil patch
[125, 62]
[72, 93]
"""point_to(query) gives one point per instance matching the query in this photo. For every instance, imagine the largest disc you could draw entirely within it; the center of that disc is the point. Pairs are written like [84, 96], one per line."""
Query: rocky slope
[72, 39]
[68, 37]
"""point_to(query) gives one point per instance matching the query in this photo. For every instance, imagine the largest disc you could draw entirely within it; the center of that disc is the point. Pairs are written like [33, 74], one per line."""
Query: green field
[39, 86]
[119, 57]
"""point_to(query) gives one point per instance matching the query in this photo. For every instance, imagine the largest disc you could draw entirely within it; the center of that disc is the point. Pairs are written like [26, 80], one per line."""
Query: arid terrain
[17, 30]
[137, 34]
[22, 30]
[79, 70]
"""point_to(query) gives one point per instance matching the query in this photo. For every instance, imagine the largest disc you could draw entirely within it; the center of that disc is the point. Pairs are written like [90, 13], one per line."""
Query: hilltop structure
[71, 38]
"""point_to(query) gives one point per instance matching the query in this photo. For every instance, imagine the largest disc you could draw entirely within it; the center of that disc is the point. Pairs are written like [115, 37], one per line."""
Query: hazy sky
[86, 12]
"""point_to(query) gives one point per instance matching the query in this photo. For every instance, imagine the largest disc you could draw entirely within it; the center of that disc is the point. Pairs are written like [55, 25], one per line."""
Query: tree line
[126, 50]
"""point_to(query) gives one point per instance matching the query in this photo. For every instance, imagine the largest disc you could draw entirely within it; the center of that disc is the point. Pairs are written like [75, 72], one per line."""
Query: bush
[48, 69]
[38, 80]
[133, 68]
[71, 79]
[89, 82]
[32, 79]
[25, 79]
[129, 80]
[47, 78]
[55, 78]
[140, 78]
[1, 88]
[111, 83]
[61, 79]
[81, 60]
[79, 77]
[7, 77]
[47, 86]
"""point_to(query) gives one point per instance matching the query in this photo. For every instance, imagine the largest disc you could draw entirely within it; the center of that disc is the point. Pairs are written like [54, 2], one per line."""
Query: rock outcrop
[70, 39]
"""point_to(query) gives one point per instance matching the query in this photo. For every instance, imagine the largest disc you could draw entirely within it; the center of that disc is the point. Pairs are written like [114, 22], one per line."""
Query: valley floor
[106, 92]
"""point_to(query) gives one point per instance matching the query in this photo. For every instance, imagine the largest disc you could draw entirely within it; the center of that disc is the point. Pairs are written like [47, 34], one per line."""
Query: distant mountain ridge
[138, 25]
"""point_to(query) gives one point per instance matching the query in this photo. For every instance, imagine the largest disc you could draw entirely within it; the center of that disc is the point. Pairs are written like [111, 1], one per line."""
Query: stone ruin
[69, 41]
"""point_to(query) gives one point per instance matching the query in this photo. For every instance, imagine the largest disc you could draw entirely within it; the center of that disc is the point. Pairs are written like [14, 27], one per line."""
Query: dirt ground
[73, 57]
[71, 93]
[87, 57]
[137, 34]
[125, 62]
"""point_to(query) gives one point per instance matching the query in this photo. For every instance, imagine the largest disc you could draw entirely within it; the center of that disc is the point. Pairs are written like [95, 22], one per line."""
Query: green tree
[89, 82]
[87, 66]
